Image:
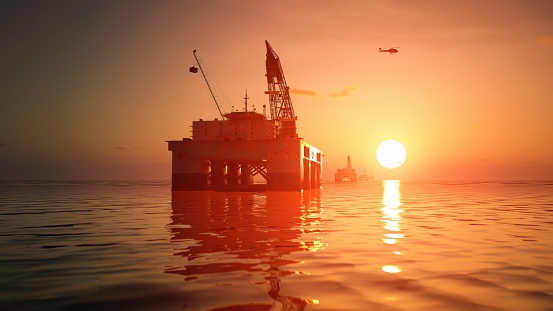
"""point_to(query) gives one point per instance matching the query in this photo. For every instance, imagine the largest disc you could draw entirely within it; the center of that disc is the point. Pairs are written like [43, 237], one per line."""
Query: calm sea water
[368, 246]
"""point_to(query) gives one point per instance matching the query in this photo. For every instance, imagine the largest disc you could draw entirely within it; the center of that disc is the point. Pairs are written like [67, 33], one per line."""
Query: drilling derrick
[279, 96]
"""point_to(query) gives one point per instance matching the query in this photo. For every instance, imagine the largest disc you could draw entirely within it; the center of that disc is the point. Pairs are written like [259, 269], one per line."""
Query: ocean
[382, 245]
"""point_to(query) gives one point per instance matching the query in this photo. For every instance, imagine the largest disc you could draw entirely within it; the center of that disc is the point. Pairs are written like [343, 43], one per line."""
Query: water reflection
[391, 217]
[226, 232]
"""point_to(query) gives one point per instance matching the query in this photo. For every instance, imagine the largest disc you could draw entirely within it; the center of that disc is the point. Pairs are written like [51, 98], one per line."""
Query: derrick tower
[279, 96]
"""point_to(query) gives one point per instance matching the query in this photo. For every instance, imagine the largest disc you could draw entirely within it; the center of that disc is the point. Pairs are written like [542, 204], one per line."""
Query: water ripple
[380, 246]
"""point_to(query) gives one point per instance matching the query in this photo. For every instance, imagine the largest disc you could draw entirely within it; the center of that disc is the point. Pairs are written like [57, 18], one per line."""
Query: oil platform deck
[227, 154]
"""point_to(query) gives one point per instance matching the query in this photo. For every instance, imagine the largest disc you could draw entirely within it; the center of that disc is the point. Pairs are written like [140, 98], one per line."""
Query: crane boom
[210, 85]
[279, 95]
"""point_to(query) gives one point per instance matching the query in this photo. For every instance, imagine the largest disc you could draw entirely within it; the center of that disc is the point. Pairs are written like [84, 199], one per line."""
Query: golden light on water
[391, 197]
[391, 269]
[313, 246]
[391, 217]
[311, 219]
[395, 235]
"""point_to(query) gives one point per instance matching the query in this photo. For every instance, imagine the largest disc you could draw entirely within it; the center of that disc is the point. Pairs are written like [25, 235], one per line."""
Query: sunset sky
[93, 89]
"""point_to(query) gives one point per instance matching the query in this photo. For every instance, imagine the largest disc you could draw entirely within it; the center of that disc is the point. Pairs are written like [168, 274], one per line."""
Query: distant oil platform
[226, 153]
[365, 177]
[344, 173]
[349, 174]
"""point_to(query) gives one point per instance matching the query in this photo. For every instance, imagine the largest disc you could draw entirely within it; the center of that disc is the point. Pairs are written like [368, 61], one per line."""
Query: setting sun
[391, 154]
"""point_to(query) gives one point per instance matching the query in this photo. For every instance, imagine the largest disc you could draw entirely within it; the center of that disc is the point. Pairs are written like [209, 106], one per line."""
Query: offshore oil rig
[226, 153]
[348, 172]
[365, 177]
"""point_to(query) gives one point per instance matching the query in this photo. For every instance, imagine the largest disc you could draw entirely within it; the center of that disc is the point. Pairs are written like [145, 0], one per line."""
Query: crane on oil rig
[279, 95]
[207, 80]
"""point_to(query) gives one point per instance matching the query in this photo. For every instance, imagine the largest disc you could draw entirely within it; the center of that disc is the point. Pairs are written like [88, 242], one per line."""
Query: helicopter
[390, 50]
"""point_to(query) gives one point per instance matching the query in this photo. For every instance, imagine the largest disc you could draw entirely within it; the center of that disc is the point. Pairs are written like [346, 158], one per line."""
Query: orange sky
[93, 89]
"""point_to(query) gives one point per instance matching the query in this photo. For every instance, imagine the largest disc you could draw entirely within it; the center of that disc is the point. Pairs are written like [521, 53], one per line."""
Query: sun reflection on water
[391, 217]
[391, 269]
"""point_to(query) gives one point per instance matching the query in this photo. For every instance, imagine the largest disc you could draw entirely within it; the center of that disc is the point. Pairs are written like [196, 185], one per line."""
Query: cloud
[545, 40]
[343, 93]
[303, 92]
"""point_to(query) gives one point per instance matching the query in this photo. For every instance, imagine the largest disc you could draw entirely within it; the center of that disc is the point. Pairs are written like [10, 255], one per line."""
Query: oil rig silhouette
[365, 177]
[226, 154]
[349, 173]
[344, 173]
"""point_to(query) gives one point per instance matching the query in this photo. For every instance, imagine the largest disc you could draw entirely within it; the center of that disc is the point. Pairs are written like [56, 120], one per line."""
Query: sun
[391, 154]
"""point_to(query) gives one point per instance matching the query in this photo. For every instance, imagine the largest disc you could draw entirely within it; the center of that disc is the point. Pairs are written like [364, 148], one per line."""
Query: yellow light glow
[392, 225]
[391, 269]
[391, 197]
[391, 154]
[395, 235]
[391, 216]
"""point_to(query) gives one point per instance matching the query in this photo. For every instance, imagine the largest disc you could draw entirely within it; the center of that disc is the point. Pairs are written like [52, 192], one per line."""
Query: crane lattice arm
[279, 96]
[210, 85]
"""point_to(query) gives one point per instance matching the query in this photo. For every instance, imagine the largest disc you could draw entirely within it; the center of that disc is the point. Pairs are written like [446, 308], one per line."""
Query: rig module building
[226, 154]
